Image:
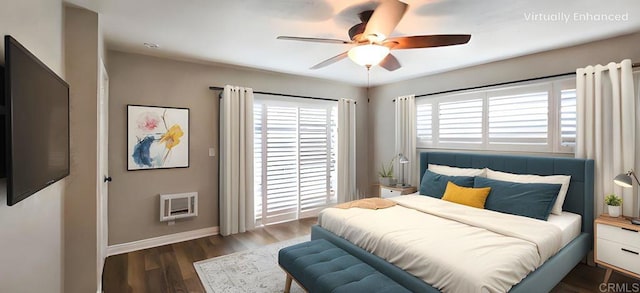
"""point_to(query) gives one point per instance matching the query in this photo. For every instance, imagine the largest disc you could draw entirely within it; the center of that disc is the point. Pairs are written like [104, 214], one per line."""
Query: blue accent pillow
[533, 200]
[434, 184]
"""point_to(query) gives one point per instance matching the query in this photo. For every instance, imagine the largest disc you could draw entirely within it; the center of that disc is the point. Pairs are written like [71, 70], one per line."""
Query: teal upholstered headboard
[579, 198]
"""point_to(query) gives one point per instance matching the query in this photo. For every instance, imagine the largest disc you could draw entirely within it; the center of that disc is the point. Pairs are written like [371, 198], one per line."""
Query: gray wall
[82, 50]
[381, 108]
[144, 80]
[31, 232]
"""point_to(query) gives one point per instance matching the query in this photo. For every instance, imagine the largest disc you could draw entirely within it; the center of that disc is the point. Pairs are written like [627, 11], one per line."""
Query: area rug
[254, 270]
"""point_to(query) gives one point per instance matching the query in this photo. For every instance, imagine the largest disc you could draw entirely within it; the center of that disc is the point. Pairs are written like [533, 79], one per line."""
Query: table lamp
[402, 160]
[624, 180]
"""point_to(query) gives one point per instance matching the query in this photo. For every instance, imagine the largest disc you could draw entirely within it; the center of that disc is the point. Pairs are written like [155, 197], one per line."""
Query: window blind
[424, 120]
[281, 163]
[519, 119]
[315, 158]
[460, 121]
[257, 159]
[294, 160]
[568, 117]
[537, 117]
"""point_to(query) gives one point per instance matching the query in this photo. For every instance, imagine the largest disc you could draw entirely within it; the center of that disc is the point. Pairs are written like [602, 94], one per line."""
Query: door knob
[107, 179]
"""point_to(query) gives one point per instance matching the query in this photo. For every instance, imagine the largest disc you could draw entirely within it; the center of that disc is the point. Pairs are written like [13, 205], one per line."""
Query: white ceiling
[243, 32]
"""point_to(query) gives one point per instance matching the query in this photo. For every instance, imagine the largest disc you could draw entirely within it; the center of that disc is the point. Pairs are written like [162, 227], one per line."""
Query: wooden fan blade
[390, 44]
[330, 61]
[316, 40]
[390, 63]
[413, 42]
[384, 20]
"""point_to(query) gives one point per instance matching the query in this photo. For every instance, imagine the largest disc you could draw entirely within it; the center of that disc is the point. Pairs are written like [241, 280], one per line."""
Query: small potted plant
[613, 205]
[386, 174]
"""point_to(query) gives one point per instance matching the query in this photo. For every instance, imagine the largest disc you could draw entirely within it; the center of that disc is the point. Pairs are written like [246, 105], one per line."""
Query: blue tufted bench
[319, 266]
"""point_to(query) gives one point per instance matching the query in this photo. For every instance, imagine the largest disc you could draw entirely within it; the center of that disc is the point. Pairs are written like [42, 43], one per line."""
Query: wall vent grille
[178, 205]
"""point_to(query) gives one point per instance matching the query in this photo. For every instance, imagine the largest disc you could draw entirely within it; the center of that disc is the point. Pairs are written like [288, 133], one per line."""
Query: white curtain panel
[236, 161]
[406, 139]
[607, 127]
[346, 150]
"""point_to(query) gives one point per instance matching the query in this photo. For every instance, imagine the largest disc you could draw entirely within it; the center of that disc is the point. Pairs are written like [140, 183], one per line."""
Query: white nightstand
[391, 191]
[617, 246]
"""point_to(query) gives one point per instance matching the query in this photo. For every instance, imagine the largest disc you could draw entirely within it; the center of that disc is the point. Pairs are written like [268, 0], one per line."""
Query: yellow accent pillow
[473, 197]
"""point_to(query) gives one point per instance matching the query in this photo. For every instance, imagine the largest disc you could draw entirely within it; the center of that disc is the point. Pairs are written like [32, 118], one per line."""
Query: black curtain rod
[280, 95]
[495, 84]
[634, 65]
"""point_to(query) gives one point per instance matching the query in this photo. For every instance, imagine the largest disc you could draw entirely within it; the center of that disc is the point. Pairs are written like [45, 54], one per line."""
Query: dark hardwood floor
[584, 278]
[170, 269]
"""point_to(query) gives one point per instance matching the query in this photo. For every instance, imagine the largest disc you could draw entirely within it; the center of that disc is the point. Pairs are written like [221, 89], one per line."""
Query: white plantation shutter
[537, 117]
[295, 149]
[520, 119]
[257, 158]
[460, 122]
[424, 120]
[315, 158]
[333, 156]
[568, 117]
[281, 163]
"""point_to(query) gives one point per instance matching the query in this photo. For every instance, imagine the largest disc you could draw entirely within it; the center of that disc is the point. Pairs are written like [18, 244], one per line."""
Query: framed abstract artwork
[157, 137]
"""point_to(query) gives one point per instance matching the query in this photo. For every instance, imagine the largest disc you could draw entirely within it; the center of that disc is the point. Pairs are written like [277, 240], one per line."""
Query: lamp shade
[623, 180]
[402, 159]
[368, 55]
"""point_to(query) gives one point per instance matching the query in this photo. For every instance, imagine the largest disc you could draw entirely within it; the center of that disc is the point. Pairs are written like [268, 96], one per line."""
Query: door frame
[102, 220]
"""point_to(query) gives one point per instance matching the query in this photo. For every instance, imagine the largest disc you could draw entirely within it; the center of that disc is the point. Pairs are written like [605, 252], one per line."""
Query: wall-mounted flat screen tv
[36, 118]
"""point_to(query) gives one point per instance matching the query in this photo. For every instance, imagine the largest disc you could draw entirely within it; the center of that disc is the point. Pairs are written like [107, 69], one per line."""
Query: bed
[579, 201]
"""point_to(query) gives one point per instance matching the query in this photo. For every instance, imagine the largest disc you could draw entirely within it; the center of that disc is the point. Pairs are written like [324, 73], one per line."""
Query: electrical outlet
[212, 152]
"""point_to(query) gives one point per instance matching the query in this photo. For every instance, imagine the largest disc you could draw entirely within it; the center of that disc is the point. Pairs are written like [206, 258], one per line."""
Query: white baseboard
[161, 240]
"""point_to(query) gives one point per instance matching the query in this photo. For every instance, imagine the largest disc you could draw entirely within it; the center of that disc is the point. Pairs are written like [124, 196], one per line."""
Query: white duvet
[454, 248]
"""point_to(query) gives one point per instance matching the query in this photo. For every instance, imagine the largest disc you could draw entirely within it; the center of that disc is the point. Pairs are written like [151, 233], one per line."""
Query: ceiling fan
[372, 41]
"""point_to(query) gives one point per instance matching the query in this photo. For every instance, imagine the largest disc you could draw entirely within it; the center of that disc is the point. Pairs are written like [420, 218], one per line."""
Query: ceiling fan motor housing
[357, 30]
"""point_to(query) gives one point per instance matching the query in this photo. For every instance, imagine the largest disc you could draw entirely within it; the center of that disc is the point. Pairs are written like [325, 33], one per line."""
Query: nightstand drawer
[386, 192]
[389, 191]
[619, 255]
[617, 234]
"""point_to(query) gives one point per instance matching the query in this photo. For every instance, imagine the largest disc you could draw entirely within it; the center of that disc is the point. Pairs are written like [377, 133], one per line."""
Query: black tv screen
[36, 103]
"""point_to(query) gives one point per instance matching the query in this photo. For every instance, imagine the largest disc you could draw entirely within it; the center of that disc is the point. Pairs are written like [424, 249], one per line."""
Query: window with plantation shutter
[316, 158]
[568, 117]
[424, 120]
[281, 158]
[294, 158]
[460, 122]
[257, 159]
[534, 117]
[519, 119]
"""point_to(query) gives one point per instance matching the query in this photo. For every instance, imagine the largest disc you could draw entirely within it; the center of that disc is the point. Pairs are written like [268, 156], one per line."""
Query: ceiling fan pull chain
[368, 81]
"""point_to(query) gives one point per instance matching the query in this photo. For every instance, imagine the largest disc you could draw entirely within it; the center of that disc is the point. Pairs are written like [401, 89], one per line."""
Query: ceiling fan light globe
[368, 55]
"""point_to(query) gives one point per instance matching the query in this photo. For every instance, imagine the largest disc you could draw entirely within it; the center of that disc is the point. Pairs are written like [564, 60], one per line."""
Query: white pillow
[528, 178]
[454, 171]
